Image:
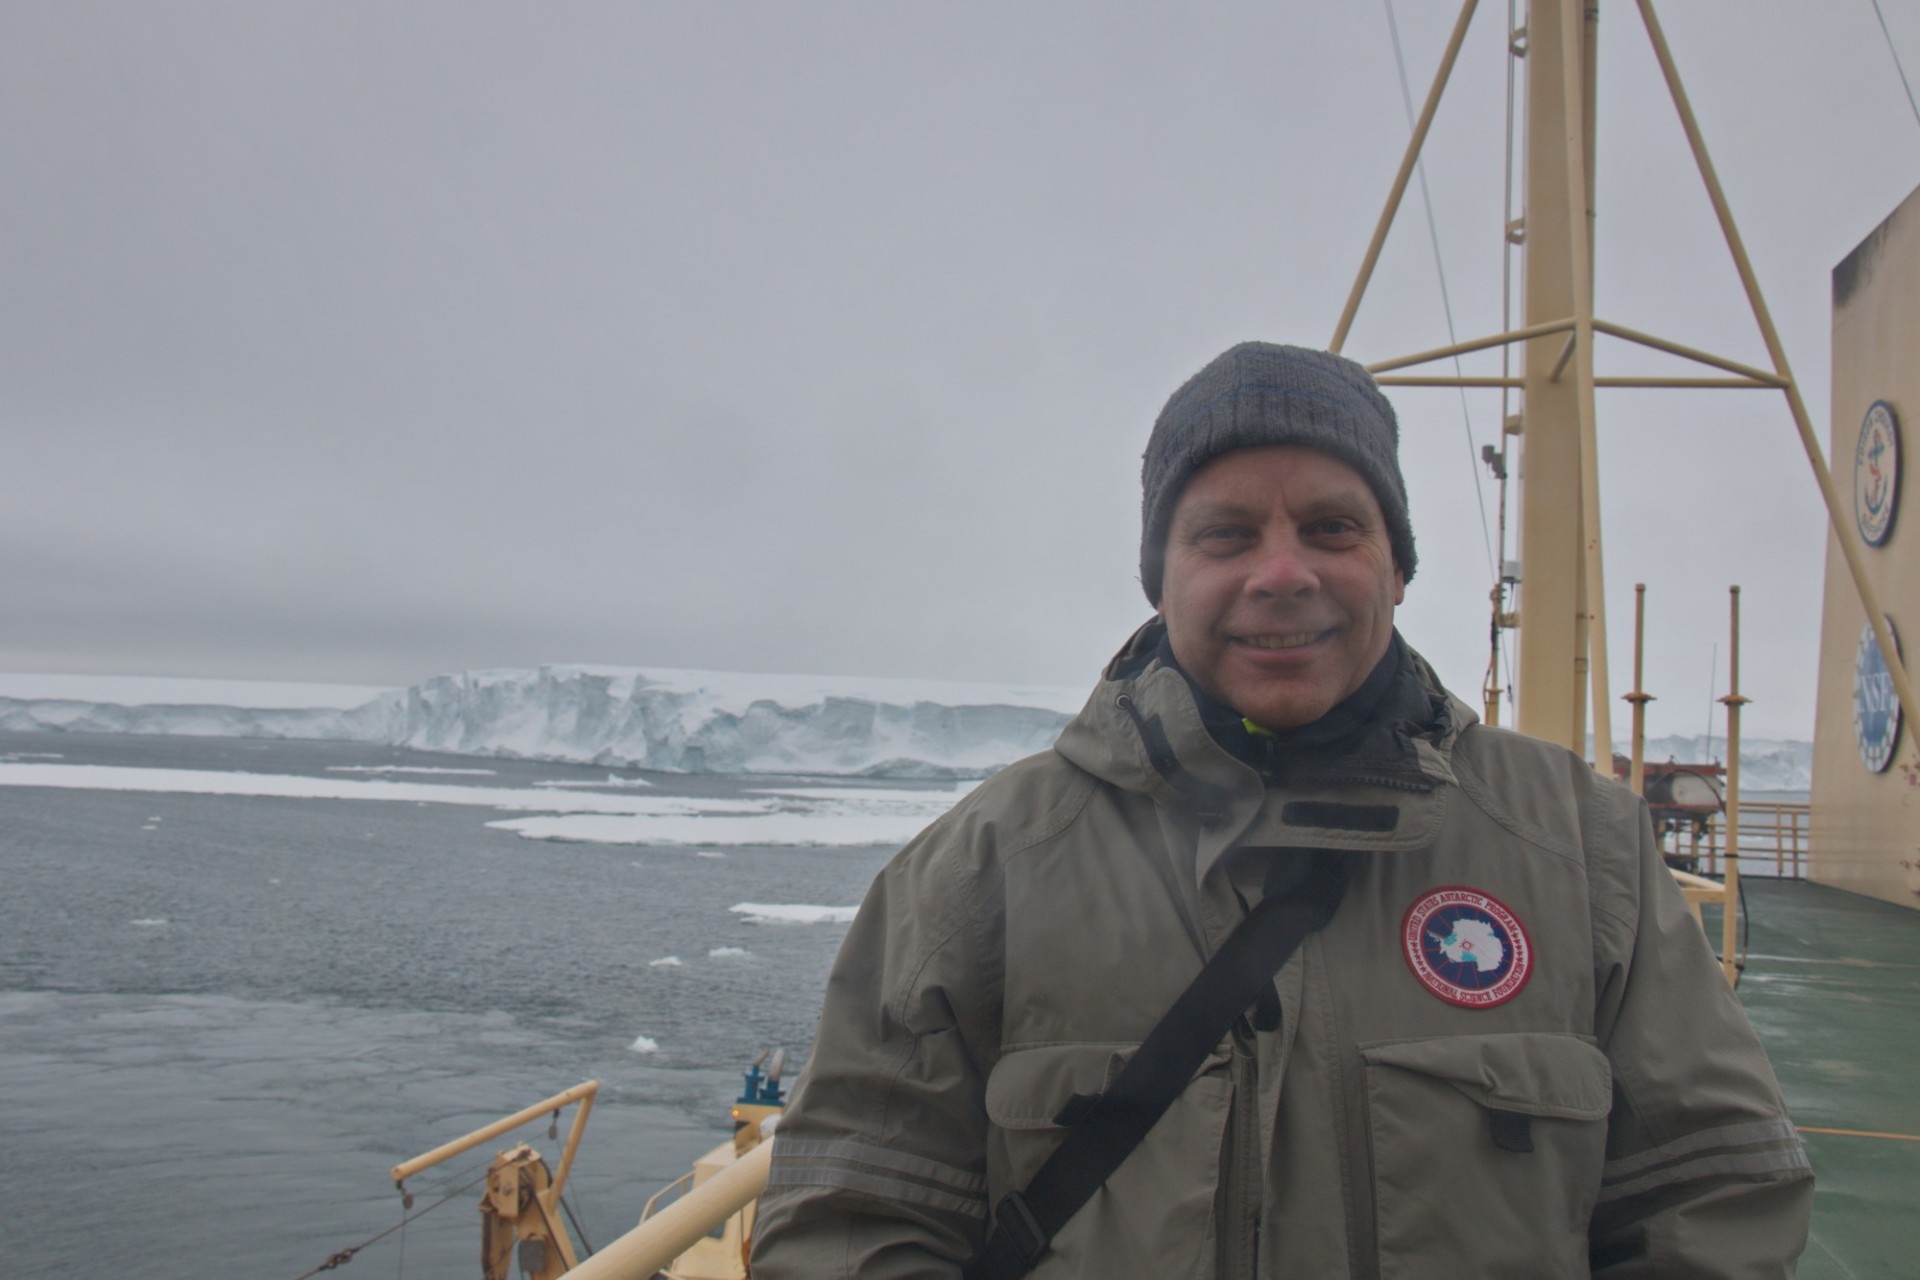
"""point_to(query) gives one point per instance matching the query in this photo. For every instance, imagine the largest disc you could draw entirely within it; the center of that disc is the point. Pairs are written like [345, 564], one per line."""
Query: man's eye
[1222, 536]
[1333, 528]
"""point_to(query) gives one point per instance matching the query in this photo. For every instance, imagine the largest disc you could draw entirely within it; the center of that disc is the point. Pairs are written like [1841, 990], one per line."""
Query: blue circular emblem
[1876, 709]
[1876, 474]
[1466, 947]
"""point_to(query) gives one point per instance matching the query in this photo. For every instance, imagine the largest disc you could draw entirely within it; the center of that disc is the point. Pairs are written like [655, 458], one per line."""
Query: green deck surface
[1833, 985]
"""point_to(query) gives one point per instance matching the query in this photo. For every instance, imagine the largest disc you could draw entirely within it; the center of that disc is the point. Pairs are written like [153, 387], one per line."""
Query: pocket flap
[1028, 1086]
[1533, 1072]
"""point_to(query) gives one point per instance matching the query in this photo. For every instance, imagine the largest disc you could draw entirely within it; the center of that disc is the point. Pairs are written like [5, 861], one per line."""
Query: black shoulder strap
[1105, 1129]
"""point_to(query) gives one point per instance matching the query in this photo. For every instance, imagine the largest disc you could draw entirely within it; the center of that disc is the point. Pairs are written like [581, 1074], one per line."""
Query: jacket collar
[1381, 787]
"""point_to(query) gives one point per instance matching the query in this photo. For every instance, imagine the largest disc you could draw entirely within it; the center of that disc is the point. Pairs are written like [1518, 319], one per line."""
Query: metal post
[494, 1130]
[1400, 179]
[1730, 925]
[1840, 520]
[1637, 771]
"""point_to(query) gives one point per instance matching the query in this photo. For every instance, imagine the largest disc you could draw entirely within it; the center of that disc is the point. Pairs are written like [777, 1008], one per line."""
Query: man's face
[1280, 583]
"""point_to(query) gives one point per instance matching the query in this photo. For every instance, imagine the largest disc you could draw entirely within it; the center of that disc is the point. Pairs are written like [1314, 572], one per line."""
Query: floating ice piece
[723, 953]
[665, 962]
[771, 830]
[644, 1044]
[613, 780]
[791, 913]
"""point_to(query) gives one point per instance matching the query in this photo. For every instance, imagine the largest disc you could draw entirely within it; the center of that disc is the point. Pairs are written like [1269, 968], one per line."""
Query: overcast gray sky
[367, 341]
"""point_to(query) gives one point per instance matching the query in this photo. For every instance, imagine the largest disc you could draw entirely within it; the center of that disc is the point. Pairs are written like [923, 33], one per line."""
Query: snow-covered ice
[818, 817]
[176, 691]
[644, 1044]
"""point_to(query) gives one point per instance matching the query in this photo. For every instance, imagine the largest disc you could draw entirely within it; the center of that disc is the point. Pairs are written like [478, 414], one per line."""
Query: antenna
[1713, 673]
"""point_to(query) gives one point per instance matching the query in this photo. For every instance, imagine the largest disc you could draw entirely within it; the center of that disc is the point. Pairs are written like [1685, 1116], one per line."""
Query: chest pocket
[1486, 1152]
[1154, 1217]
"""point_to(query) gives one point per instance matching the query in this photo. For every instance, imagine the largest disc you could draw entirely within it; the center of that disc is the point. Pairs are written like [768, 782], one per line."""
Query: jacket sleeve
[1705, 1175]
[879, 1163]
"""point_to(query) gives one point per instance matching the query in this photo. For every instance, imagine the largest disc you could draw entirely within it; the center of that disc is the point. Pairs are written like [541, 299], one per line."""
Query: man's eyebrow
[1347, 502]
[1216, 509]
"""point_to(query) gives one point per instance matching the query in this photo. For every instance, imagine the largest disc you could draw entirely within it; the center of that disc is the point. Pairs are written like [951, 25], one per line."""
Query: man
[1506, 1051]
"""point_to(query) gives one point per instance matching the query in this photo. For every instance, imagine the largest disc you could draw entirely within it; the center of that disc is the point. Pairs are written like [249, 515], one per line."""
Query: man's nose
[1281, 567]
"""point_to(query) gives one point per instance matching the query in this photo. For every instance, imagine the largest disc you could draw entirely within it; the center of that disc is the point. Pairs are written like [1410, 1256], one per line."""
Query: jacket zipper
[1239, 1228]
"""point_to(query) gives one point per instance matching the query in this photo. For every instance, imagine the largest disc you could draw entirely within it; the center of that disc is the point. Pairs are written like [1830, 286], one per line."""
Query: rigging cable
[1446, 302]
[1904, 84]
[344, 1256]
[1501, 655]
[577, 1228]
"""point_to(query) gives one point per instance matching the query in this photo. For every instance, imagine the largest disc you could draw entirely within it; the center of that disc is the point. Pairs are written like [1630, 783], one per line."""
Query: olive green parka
[1604, 1108]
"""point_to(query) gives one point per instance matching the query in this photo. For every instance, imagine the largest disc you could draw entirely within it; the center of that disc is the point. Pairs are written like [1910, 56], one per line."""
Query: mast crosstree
[1561, 618]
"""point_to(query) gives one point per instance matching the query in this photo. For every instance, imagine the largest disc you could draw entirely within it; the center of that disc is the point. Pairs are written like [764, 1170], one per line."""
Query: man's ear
[1399, 587]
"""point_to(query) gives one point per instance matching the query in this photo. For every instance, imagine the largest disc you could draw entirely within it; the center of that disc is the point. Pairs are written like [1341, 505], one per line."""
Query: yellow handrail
[655, 1243]
[585, 1091]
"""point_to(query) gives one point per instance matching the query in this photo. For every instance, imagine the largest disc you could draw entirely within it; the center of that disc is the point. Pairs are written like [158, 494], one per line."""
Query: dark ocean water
[223, 1019]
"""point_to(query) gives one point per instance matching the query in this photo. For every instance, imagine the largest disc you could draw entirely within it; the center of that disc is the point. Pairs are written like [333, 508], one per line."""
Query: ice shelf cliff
[673, 721]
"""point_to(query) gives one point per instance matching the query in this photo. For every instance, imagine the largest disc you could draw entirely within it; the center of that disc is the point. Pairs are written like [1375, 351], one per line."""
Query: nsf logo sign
[1876, 474]
[1876, 711]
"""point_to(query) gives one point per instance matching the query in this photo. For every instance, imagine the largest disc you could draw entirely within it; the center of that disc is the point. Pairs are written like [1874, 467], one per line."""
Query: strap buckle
[1022, 1230]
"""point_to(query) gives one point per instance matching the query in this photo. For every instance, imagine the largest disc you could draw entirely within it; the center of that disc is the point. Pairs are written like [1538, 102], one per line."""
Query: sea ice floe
[796, 816]
[149, 922]
[823, 817]
[96, 777]
[644, 1044]
[719, 953]
[791, 913]
[665, 962]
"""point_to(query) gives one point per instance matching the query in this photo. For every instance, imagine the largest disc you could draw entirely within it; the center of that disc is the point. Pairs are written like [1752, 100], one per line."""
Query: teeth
[1294, 641]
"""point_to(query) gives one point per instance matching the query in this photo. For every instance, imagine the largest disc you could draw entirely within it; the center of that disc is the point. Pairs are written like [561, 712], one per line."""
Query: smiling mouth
[1291, 640]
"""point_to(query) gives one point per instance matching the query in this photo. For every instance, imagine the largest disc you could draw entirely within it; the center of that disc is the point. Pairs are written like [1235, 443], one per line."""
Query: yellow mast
[1563, 676]
[1562, 618]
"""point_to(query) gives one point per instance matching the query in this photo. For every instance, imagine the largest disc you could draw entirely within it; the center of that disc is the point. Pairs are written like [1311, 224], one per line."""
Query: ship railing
[667, 1195]
[664, 1235]
[1774, 841]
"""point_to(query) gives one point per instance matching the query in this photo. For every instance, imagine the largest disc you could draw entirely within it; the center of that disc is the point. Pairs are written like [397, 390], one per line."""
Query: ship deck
[1833, 984]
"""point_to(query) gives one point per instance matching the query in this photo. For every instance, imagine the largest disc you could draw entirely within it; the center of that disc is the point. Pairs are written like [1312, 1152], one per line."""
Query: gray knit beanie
[1260, 393]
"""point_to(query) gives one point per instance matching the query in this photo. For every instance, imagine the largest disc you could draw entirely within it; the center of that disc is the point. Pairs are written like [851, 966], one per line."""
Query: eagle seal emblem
[1466, 947]
[1876, 474]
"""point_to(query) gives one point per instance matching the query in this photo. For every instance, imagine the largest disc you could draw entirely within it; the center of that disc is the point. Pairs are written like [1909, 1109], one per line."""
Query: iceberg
[1766, 764]
[668, 720]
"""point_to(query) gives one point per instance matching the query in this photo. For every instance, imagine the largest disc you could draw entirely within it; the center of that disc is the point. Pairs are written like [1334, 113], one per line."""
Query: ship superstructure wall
[1866, 819]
